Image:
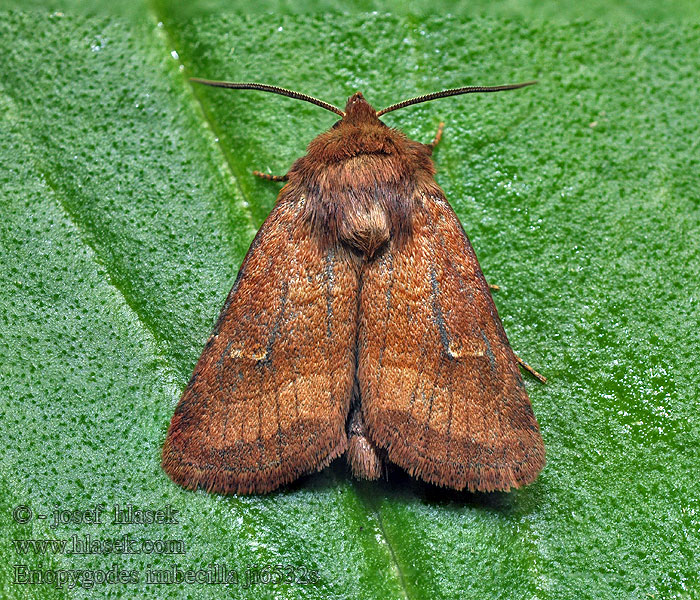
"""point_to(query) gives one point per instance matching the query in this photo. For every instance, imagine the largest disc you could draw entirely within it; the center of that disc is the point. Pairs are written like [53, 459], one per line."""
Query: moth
[360, 323]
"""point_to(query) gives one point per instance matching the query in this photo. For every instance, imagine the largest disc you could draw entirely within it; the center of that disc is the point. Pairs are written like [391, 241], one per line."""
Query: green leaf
[551, 10]
[128, 204]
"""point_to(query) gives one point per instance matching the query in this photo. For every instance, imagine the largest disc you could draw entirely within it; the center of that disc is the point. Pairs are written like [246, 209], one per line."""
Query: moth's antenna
[270, 88]
[472, 89]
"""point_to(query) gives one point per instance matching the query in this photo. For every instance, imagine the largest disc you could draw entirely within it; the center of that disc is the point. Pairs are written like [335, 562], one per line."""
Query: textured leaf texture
[127, 207]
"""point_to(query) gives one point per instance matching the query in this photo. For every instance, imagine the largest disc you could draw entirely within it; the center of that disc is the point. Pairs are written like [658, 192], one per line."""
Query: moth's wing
[440, 386]
[269, 397]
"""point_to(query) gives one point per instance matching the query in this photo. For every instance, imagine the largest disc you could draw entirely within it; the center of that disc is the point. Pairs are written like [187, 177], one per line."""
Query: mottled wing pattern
[271, 392]
[441, 389]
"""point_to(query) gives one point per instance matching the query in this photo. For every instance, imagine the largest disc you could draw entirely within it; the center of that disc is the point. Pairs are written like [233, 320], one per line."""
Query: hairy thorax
[360, 184]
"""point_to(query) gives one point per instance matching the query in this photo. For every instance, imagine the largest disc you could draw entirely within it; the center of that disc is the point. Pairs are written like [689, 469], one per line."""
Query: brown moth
[360, 323]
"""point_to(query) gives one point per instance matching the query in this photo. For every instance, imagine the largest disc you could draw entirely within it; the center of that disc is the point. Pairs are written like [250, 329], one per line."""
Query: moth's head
[359, 132]
[358, 110]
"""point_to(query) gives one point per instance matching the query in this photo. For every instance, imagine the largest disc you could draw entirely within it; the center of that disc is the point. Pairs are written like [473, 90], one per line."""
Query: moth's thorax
[360, 180]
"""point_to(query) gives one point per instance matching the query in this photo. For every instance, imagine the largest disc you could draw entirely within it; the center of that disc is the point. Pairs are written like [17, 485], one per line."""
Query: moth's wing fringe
[440, 385]
[226, 479]
[269, 397]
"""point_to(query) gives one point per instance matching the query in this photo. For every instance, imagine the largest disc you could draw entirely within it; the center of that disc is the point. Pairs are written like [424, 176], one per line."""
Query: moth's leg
[362, 456]
[438, 136]
[529, 369]
[270, 177]
[494, 287]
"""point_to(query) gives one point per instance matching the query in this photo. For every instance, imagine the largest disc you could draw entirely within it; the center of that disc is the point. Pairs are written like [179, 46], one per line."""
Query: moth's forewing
[440, 386]
[269, 397]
